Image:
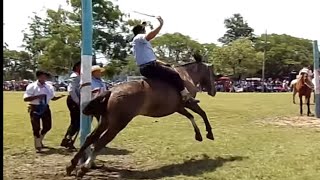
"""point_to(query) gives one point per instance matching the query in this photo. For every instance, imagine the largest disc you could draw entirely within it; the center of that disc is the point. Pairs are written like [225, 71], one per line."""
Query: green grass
[165, 148]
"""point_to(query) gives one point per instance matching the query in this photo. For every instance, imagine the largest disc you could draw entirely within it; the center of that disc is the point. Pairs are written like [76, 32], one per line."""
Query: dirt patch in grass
[52, 162]
[295, 121]
[51, 166]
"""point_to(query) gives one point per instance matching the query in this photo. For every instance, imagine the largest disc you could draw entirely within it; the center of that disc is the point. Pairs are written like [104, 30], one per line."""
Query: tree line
[53, 43]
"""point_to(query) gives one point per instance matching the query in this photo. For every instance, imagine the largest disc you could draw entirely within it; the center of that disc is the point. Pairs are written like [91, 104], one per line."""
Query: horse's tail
[98, 105]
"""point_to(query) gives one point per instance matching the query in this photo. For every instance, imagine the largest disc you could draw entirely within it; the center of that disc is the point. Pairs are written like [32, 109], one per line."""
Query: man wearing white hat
[97, 85]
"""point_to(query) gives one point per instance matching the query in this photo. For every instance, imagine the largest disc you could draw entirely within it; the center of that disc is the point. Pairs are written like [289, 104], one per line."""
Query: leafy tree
[17, 65]
[32, 36]
[237, 59]
[236, 28]
[284, 53]
[175, 47]
[54, 40]
[109, 29]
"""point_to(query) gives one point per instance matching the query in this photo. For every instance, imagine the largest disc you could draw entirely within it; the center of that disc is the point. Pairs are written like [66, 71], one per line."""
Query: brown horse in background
[304, 88]
[295, 91]
[119, 105]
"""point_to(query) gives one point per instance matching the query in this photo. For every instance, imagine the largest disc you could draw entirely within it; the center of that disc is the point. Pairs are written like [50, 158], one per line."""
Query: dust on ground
[294, 121]
[51, 164]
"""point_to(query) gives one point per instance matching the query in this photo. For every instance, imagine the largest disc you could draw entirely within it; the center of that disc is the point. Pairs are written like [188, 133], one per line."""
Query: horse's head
[304, 76]
[202, 73]
[207, 79]
[303, 81]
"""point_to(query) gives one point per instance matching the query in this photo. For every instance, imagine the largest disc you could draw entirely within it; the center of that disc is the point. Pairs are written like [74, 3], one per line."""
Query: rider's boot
[186, 96]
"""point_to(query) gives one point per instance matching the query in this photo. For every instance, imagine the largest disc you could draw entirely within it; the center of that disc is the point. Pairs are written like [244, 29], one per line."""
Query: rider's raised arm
[154, 32]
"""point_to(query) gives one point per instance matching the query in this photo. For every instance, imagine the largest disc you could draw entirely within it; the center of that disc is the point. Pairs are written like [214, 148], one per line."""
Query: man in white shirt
[39, 94]
[152, 68]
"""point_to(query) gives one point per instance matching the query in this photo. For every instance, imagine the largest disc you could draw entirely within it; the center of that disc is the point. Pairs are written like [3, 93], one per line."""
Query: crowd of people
[14, 85]
[225, 84]
[250, 85]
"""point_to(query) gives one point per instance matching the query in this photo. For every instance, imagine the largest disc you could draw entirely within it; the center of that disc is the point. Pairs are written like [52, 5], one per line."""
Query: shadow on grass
[66, 152]
[51, 150]
[191, 167]
[113, 151]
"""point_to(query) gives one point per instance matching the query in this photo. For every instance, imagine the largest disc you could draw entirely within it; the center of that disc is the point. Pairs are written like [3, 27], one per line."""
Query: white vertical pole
[316, 77]
[86, 62]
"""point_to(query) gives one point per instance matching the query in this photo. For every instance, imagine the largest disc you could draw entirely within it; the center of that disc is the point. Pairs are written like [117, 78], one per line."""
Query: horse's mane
[196, 56]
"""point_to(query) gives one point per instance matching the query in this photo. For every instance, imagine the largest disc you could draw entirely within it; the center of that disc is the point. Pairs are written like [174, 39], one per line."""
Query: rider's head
[139, 29]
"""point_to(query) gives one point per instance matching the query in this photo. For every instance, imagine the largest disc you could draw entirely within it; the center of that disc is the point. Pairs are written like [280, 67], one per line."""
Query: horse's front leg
[294, 95]
[308, 105]
[301, 103]
[197, 109]
[184, 112]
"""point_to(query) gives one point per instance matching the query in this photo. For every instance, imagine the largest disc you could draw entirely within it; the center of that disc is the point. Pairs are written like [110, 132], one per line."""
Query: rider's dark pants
[155, 70]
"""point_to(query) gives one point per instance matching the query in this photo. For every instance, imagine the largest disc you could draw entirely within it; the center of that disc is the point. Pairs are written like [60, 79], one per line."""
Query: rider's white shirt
[142, 50]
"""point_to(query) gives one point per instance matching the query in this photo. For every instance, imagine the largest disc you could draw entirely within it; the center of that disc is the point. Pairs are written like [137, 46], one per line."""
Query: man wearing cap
[73, 103]
[97, 85]
[152, 68]
[39, 94]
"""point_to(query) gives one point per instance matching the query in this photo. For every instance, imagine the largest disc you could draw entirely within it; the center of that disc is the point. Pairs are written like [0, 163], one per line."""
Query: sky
[202, 20]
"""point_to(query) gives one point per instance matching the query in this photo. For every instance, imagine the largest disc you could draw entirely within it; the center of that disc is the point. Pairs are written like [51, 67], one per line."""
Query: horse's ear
[198, 57]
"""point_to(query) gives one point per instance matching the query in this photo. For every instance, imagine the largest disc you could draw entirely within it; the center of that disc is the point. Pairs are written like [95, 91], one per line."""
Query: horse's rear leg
[91, 138]
[184, 112]
[106, 137]
[197, 109]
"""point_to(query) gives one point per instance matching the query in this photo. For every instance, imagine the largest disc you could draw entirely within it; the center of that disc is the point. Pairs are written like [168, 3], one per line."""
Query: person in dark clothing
[73, 103]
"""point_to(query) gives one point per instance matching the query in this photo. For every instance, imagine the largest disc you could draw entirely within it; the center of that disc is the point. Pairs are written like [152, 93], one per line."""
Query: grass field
[245, 147]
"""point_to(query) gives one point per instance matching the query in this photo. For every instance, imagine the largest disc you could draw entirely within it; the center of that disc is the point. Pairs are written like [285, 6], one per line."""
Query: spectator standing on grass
[73, 103]
[39, 94]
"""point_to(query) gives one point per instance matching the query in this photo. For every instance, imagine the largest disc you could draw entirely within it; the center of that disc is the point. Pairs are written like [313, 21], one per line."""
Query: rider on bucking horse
[152, 68]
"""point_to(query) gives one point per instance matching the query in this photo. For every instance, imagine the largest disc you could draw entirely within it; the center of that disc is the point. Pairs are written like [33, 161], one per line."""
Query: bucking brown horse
[304, 88]
[119, 105]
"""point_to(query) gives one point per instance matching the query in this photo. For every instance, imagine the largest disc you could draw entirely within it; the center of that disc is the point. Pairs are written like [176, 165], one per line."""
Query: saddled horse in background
[294, 90]
[119, 105]
[304, 88]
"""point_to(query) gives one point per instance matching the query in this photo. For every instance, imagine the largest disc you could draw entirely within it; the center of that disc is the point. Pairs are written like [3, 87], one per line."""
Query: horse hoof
[69, 169]
[210, 136]
[199, 138]
[83, 170]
